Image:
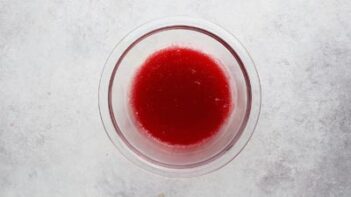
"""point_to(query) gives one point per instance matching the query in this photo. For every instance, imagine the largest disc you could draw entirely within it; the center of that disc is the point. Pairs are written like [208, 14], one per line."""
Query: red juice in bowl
[180, 96]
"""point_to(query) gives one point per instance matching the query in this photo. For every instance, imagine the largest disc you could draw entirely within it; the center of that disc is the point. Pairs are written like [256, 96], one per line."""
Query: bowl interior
[146, 147]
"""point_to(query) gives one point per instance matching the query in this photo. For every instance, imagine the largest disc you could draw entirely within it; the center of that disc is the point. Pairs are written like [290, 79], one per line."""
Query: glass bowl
[161, 158]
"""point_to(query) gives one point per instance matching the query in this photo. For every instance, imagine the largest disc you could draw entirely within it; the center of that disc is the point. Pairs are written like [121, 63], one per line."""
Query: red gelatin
[180, 96]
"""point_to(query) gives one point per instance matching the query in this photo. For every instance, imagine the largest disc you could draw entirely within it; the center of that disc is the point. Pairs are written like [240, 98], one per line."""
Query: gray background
[52, 141]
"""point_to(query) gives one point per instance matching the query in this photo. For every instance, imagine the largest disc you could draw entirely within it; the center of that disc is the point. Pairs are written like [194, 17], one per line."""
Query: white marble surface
[52, 142]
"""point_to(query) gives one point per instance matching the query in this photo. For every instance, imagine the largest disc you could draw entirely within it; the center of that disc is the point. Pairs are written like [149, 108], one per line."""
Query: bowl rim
[252, 86]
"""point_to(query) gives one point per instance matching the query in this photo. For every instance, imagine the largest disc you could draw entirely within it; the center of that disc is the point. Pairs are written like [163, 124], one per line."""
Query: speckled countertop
[52, 141]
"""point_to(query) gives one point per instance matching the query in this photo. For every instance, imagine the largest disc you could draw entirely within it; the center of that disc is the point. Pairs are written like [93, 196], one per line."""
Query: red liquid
[180, 96]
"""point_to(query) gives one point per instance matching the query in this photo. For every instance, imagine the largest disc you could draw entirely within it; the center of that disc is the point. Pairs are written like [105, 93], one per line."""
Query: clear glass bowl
[160, 158]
